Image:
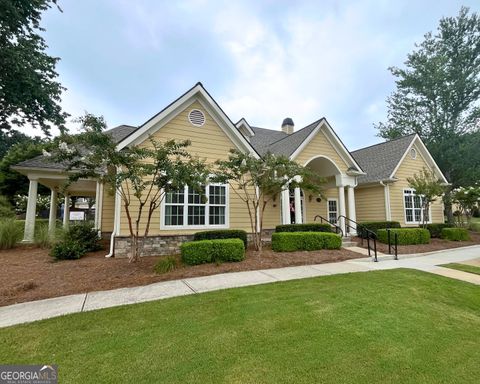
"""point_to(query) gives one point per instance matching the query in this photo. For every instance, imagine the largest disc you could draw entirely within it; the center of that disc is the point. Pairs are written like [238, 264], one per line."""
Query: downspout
[116, 224]
[386, 192]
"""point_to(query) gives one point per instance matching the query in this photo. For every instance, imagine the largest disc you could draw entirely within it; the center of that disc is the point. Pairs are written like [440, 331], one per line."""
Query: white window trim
[207, 212]
[328, 209]
[405, 209]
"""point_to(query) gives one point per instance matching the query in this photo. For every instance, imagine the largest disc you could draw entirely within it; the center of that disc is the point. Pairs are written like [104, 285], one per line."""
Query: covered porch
[55, 180]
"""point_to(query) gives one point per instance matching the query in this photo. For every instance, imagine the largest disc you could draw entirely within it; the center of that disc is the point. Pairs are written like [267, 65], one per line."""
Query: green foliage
[436, 229]
[467, 198]
[305, 241]
[28, 90]
[67, 250]
[437, 97]
[257, 181]
[6, 209]
[314, 227]
[475, 227]
[165, 264]
[10, 233]
[406, 236]
[85, 235]
[208, 251]
[374, 226]
[455, 234]
[222, 234]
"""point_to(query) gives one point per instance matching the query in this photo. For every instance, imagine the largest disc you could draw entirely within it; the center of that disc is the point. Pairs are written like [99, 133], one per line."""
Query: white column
[341, 208]
[352, 215]
[286, 206]
[66, 211]
[52, 218]
[99, 208]
[298, 206]
[31, 211]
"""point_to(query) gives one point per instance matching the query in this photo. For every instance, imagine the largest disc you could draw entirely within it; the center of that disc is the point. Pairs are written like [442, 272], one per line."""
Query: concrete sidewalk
[44, 309]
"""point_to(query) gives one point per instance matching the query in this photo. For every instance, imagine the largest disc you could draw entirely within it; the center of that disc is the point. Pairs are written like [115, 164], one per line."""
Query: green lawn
[463, 267]
[397, 326]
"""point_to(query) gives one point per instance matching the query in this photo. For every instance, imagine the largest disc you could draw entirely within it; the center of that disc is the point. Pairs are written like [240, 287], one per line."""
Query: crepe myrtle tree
[467, 199]
[427, 185]
[141, 175]
[257, 181]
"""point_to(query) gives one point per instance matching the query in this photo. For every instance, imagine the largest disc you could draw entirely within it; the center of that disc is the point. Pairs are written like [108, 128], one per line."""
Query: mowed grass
[397, 326]
[463, 267]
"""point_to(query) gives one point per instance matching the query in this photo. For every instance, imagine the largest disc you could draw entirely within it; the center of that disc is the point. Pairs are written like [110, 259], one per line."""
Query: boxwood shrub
[67, 250]
[406, 236]
[374, 226]
[222, 234]
[305, 241]
[208, 251]
[436, 229]
[455, 234]
[314, 227]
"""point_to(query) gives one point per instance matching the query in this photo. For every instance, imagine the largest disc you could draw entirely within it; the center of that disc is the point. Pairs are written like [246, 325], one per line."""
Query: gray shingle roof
[117, 133]
[278, 142]
[380, 160]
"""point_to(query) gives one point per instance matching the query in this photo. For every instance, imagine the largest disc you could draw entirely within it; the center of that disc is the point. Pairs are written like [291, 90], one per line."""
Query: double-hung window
[413, 203]
[187, 208]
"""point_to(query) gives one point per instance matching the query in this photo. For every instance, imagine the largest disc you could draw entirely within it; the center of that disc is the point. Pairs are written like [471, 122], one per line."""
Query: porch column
[286, 206]
[352, 215]
[66, 211]
[341, 208]
[298, 206]
[31, 211]
[52, 218]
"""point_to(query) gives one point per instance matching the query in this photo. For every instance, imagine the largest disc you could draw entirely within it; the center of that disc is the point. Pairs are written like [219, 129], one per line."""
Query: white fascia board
[243, 122]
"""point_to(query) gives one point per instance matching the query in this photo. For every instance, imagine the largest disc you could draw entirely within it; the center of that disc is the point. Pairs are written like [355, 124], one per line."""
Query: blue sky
[262, 60]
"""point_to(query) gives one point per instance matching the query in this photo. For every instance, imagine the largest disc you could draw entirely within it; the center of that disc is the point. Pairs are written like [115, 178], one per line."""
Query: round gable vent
[413, 153]
[196, 117]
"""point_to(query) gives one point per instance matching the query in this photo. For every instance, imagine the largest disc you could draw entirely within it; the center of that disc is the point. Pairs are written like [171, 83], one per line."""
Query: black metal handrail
[395, 244]
[322, 219]
[370, 235]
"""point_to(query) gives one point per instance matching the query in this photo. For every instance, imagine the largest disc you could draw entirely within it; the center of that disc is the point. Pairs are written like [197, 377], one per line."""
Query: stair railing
[364, 231]
[395, 243]
[337, 228]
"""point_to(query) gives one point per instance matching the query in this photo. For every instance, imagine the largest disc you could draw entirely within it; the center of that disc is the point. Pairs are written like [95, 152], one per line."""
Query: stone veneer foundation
[161, 245]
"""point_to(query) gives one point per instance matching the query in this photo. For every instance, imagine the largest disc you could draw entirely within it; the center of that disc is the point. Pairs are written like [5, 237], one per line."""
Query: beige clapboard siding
[320, 145]
[408, 168]
[272, 214]
[108, 210]
[370, 203]
[313, 208]
[208, 142]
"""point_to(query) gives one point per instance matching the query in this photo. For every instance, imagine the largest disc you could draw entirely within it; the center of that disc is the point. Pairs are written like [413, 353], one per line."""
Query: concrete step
[348, 244]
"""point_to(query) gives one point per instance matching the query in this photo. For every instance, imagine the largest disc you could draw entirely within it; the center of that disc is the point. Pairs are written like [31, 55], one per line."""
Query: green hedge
[314, 227]
[222, 234]
[406, 236]
[455, 234]
[436, 229]
[305, 241]
[209, 251]
[374, 226]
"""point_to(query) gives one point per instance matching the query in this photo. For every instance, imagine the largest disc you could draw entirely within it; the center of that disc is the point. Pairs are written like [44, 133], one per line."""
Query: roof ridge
[382, 143]
[300, 130]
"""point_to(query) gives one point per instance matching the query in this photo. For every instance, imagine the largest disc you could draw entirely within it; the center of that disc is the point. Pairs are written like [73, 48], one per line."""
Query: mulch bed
[435, 245]
[29, 273]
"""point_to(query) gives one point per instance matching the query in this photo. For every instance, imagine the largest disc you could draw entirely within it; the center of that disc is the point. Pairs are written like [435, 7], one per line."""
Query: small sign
[77, 216]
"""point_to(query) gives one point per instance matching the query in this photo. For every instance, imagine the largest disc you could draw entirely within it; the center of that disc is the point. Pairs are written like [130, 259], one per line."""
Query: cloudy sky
[262, 60]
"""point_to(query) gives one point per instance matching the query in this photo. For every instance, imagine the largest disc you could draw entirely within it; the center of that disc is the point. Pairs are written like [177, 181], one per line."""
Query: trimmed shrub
[208, 251]
[313, 227]
[165, 264]
[6, 209]
[222, 234]
[305, 241]
[67, 250]
[455, 234]
[436, 229]
[374, 226]
[10, 233]
[85, 235]
[406, 236]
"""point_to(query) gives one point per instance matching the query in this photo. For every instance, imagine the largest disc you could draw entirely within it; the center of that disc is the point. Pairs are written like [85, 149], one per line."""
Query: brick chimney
[287, 126]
